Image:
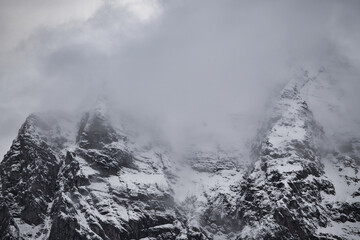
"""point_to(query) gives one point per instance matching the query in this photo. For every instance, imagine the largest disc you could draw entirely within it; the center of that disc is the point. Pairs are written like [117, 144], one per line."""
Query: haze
[179, 64]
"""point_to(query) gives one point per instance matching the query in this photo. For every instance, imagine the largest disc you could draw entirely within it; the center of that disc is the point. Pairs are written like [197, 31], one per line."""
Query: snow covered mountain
[69, 178]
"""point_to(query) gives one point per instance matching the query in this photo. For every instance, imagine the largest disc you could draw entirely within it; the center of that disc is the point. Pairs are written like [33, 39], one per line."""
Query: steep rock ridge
[298, 189]
[8, 227]
[29, 174]
[280, 198]
[110, 192]
[91, 183]
[94, 140]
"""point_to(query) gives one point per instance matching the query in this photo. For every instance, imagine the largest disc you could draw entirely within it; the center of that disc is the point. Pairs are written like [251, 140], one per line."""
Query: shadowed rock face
[89, 186]
[8, 227]
[95, 138]
[95, 131]
[93, 181]
[29, 173]
[288, 193]
[283, 191]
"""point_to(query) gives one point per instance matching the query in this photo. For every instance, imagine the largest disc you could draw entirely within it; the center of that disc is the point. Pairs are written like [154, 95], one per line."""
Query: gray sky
[178, 62]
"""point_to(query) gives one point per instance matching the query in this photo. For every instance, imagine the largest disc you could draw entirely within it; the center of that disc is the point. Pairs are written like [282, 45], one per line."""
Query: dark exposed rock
[279, 191]
[29, 172]
[8, 228]
[66, 228]
[95, 131]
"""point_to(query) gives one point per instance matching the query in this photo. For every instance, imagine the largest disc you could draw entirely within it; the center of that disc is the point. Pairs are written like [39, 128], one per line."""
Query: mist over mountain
[178, 63]
[151, 119]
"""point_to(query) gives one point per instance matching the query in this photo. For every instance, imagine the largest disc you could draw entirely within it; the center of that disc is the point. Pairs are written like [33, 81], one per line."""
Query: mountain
[87, 178]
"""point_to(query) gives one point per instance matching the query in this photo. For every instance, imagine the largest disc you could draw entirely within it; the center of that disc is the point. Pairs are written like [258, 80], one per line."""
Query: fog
[185, 66]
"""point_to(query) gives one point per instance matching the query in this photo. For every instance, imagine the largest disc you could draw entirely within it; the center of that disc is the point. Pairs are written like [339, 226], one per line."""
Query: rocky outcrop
[29, 173]
[281, 196]
[8, 228]
[88, 185]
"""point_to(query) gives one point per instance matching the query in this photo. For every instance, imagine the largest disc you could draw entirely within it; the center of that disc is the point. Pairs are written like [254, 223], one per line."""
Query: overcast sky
[177, 61]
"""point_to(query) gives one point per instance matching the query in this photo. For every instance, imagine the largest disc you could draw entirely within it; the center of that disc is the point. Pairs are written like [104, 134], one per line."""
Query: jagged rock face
[95, 138]
[108, 207]
[29, 173]
[8, 227]
[64, 179]
[293, 191]
[88, 185]
[95, 131]
[281, 197]
[286, 195]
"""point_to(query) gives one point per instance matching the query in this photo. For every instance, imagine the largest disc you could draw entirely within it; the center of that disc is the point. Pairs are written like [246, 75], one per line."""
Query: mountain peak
[101, 106]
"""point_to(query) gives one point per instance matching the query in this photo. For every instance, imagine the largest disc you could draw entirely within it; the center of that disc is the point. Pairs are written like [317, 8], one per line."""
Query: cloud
[20, 19]
[182, 64]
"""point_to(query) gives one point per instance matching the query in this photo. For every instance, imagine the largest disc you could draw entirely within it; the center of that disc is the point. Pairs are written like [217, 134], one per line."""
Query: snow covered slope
[291, 192]
[86, 184]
